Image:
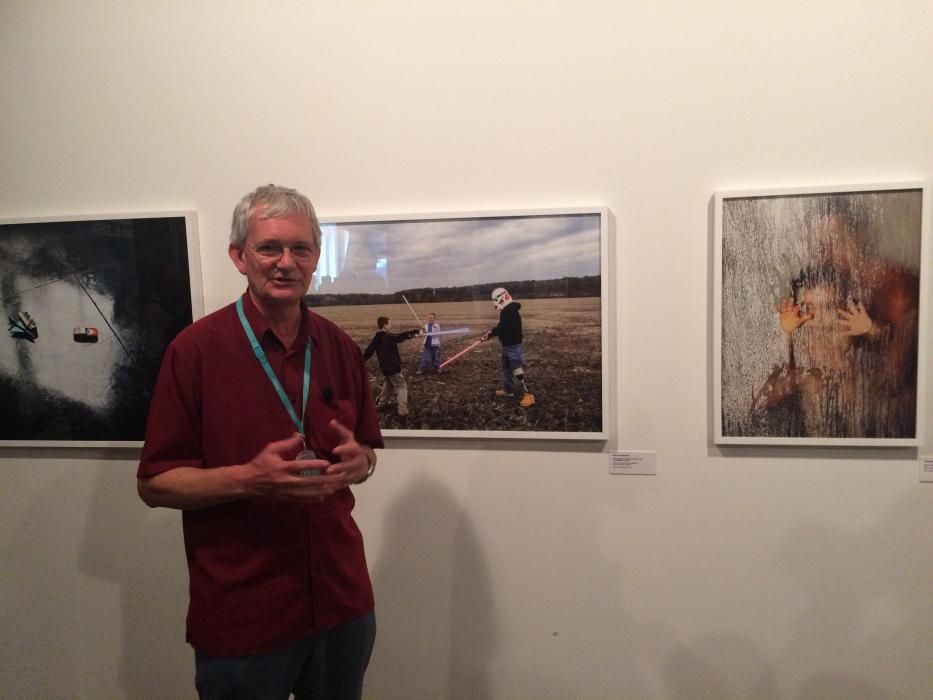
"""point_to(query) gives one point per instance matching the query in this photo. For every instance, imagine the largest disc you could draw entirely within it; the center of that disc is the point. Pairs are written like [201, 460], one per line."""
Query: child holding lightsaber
[431, 350]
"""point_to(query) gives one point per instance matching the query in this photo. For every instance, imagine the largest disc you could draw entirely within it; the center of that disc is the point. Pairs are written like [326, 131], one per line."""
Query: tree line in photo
[564, 287]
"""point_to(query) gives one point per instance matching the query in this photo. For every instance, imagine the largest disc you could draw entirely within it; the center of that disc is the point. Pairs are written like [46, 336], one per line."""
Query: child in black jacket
[385, 345]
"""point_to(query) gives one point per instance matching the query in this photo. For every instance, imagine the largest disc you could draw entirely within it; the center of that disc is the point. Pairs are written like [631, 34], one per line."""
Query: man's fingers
[289, 444]
[309, 467]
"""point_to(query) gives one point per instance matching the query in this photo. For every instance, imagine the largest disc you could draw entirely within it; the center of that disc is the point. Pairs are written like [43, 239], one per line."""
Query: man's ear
[236, 255]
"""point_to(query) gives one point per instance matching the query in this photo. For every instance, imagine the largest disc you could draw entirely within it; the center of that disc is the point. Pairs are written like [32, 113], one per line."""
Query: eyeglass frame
[282, 248]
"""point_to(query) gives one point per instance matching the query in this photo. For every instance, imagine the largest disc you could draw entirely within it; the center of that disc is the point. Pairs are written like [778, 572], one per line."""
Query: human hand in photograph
[791, 317]
[855, 320]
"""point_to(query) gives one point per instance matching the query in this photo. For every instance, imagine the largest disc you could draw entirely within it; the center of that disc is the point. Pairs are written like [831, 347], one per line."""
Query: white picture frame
[433, 259]
[793, 253]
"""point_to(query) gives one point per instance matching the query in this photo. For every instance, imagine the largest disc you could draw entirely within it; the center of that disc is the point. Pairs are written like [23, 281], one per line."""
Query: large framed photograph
[819, 315]
[90, 304]
[500, 320]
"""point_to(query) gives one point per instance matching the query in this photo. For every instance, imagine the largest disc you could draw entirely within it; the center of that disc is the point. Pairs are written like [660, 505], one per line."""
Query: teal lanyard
[264, 361]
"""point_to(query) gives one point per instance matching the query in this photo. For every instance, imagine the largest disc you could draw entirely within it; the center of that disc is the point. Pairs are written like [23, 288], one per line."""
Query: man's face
[835, 244]
[277, 281]
[821, 302]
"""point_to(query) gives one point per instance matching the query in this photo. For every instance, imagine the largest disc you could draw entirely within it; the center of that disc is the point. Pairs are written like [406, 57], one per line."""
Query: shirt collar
[261, 327]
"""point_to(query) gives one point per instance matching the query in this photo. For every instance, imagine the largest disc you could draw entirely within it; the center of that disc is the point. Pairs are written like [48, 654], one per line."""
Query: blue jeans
[326, 666]
[430, 357]
[511, 360]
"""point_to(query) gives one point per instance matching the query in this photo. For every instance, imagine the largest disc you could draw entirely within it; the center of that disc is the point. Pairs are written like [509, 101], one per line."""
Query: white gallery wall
[502, 570]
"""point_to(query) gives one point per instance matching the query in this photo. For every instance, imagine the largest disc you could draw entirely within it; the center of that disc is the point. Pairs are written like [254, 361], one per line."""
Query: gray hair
[277, 202]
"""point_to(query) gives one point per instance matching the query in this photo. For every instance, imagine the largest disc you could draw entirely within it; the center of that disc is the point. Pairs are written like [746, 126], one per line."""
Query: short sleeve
[173, 428]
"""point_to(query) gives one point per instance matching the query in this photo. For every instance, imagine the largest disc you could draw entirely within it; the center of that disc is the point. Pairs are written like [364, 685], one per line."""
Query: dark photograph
[90, 306]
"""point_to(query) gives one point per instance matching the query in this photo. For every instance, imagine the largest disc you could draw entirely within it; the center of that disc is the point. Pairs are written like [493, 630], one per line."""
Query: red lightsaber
[462, 352]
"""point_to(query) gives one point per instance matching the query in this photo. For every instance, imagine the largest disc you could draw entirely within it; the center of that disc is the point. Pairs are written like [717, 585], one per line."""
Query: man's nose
[286, 259]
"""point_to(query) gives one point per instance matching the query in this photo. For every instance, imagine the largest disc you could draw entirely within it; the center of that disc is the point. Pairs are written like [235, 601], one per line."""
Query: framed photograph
[819, 308]
[90, 304]
[500, 320]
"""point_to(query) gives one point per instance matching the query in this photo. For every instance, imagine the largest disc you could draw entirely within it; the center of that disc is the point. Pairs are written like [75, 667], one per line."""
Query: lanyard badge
[306, 452]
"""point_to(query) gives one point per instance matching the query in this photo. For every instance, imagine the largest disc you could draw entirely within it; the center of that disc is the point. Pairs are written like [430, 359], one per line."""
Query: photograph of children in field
[454, 280]
[819, 316]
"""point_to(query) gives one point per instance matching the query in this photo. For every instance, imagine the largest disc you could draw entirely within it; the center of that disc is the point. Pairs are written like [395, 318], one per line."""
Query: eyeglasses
[273, 250]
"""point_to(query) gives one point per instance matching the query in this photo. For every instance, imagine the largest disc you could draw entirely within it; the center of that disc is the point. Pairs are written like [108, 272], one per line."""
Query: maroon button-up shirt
[262, 574]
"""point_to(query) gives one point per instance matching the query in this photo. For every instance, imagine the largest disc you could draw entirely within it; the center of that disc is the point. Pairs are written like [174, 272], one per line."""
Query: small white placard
[926, 469]
[633, 462]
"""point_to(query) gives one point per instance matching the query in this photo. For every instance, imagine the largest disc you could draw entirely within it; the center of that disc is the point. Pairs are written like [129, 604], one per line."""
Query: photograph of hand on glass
[819, 315]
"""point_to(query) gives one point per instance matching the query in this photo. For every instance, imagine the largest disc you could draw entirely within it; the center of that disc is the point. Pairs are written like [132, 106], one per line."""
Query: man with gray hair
[260, 422]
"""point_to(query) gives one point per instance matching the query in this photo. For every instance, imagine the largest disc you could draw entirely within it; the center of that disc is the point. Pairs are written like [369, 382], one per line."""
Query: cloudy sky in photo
[388, 256]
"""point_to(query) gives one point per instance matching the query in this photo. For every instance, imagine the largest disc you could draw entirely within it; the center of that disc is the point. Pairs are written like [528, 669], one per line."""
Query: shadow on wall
[142, 551]
[568, 635]
[436, 618]
[93, 588]
[719, 667]
[552, 630]
[866, 615]
[42, 600]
